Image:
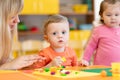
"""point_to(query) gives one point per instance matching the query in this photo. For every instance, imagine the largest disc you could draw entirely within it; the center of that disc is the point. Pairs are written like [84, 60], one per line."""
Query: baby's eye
[108, 15]
[63, 32]
[54, 33]
[116, 14]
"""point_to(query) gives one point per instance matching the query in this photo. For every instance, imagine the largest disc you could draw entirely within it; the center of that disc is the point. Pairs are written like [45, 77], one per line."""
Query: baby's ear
[46, 37]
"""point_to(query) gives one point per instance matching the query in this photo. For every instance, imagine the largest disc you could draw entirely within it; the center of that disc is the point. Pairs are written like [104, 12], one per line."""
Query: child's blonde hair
[103, 6]
[8, 9]
[54, 19]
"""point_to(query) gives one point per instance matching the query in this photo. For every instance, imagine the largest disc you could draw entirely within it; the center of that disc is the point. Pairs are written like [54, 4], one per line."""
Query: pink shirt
[104, 45]
[69, 54]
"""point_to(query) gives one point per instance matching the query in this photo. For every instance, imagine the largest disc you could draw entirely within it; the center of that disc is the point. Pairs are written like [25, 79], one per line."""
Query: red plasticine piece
[52, 73]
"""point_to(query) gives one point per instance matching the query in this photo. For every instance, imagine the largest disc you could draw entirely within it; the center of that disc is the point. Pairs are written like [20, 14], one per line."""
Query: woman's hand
[24, 61]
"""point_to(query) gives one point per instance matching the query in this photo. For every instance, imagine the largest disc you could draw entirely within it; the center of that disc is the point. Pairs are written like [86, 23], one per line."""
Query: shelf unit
[73, 13]
[25, 33]
[29, 35]
[89, 17]
[81, 36]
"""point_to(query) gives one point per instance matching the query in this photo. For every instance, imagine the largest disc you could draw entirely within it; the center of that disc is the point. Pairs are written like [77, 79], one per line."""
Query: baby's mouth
[60, 40]
[113, 22]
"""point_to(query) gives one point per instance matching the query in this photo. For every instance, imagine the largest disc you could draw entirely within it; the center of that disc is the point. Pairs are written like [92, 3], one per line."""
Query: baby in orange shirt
[56, 32]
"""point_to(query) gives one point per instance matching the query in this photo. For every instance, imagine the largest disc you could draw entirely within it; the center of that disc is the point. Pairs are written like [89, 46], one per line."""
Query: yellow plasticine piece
[53, 69]
[63, 59]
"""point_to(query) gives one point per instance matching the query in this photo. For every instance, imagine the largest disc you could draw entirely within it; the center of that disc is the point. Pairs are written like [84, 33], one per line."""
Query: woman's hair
[8, 9]
[54, 19]
[103, 6]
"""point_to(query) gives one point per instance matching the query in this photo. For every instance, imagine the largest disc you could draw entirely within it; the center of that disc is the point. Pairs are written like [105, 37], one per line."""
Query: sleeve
[92, 45]
[43, 63]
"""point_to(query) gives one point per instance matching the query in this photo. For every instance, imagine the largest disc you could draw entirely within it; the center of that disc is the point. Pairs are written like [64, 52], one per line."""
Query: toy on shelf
[22, 27]
[34, 29]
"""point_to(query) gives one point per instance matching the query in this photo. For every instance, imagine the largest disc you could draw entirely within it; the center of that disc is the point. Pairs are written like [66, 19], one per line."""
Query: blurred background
[80, 13]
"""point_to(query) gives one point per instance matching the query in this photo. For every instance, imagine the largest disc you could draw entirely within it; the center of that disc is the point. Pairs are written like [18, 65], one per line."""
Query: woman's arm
[20, 62]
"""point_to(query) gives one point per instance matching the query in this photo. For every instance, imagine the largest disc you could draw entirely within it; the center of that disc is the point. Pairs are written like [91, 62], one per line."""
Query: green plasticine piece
[63, 74]
[76, 72]
[47, 69]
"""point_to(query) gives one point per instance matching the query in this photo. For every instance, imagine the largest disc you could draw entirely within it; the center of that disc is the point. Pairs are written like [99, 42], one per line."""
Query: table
[18, 75]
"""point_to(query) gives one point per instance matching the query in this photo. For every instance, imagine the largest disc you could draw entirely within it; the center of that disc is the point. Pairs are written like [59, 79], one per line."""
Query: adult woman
[9, 10]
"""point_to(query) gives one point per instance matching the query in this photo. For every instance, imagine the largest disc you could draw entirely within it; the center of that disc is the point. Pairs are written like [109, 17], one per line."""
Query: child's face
[58, 34]
[111, 15]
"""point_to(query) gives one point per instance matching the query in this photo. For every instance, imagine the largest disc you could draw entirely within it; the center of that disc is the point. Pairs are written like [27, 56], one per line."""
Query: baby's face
[111, 15]
[58, 34]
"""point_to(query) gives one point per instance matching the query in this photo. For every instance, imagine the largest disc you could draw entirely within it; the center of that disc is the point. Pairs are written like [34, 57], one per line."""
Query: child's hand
[56, 61]
[25, 61]
[83, 63]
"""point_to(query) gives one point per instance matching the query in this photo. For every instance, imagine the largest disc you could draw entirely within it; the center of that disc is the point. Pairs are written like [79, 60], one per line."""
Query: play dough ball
[53, 69]
[103, 73]
[52, 73]
[46, 69]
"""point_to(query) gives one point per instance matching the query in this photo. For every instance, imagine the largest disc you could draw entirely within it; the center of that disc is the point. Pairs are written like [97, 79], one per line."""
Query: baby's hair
[54, 19]
[103, 6]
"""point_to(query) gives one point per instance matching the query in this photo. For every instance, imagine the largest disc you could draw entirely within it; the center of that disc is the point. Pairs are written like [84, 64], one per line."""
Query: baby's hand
[83, 63]
[57, 61]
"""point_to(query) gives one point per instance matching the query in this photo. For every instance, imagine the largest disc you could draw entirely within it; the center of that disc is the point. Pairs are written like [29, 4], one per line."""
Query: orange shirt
[50, 54]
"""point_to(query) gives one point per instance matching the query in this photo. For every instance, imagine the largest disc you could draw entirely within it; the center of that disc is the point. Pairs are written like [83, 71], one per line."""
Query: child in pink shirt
[104, 43]
[56, 32]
